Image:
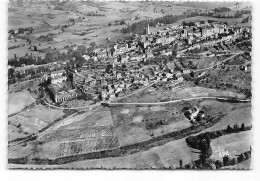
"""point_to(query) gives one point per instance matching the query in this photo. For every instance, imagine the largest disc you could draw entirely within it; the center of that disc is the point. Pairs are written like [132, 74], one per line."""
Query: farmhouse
[58, 79]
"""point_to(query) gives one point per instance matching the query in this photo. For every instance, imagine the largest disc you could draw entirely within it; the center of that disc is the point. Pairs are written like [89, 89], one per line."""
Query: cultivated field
[98, 117]
[72, 134]
[139, 123]
[167, 156]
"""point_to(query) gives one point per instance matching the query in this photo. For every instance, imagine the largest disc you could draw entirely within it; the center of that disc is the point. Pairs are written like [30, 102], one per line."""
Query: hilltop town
[176, 82]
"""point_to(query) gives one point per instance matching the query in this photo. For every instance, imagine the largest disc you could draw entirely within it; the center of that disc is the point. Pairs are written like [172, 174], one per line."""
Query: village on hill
[99, 91]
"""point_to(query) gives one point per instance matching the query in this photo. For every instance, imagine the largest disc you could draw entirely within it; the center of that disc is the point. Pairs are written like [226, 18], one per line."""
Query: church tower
[148, 30]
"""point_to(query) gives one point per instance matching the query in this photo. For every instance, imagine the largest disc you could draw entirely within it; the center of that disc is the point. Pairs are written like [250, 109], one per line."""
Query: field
[88, 145]
[159, 157]
[43, 113]
[96, 118]
[27, 124]
[237, 116]
[73, 134]
[19, 100]
[181, 91]
[235, 144]
[204, 92]
[139, 123]
[31, 121]
[230, 21]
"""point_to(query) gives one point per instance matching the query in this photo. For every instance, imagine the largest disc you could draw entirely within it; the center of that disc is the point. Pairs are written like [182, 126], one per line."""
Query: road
[174, 101]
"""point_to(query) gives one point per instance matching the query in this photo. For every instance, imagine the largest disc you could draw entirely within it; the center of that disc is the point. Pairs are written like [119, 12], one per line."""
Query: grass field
[238, 116]
[230, 21]
[235, 144]
[17, 101]
[43, 113]
[167, 156]
[27, 124]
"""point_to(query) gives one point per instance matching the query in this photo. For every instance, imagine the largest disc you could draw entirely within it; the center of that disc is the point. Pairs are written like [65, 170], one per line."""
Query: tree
[82, 49]
[93, 44]
[188, 166]
[247, 155]
[229, 129]
[109, 68]
[226, 160]
[233, 161]
[219, 164]
[124, 66]
[242, 127]
[236, 127]
[241, 157]
[181, 162]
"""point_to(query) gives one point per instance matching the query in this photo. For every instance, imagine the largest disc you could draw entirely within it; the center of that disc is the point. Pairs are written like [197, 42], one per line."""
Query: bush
[219, 164]
[247, 155]
[242, 127]
[233, 161]
[226, 160]
[241, 157]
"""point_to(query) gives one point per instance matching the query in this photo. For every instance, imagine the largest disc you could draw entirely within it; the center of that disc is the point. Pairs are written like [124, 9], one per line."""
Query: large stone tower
[148, 30]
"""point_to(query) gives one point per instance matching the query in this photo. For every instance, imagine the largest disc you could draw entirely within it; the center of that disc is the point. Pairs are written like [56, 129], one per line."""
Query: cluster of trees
[139, 27]
[197, 141]
[237, 14]
[206, 163]
[48, 37]
[153, 124]
[54, 56]
[121, 22]
[21, 30]
[75, 57]
[221, 9]
[245, 20]
[202, 142]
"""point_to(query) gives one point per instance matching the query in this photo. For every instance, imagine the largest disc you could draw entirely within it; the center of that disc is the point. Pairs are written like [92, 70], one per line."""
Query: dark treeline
[197, 141]
[237, 14]
[221, 9]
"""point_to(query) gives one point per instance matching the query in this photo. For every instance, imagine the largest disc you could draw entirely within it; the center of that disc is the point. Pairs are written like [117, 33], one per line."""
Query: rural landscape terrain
[129, 85]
